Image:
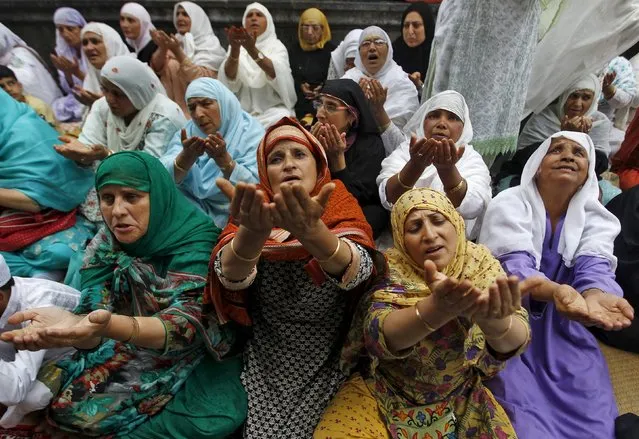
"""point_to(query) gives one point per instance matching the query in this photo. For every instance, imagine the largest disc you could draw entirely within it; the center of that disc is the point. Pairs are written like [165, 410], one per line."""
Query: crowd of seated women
[282, 242]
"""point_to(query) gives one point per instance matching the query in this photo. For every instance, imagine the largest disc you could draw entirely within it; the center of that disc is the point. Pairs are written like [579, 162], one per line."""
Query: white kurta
[19, 389]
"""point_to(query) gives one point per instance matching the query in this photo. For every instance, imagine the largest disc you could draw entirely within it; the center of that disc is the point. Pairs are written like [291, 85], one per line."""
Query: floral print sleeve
[358, 271]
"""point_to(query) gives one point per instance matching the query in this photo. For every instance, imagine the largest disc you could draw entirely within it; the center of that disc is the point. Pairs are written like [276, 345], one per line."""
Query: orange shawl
[628, 155]
[342, 216]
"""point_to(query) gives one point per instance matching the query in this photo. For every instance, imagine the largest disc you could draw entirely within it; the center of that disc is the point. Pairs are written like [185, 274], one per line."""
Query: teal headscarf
[177, 229]
[29, 164]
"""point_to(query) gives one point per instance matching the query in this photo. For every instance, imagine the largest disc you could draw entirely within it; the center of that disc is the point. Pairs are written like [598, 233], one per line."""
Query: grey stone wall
[33, 19]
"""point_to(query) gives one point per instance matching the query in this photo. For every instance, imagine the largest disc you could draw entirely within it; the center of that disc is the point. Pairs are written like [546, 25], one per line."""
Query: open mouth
[123, 228]
[566, 168]
[440, 136]
[291, 179]
[373, 57]
[433, 250]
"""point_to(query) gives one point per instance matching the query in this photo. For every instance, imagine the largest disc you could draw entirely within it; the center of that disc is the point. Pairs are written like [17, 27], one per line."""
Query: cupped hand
[607, 311]
[451, 297]
[608, 79]
[421, 151]
[294, 210]
[215, 146]
[85, 96]
[248, 206]
[445, 153]
[77, 151]
[333, 142]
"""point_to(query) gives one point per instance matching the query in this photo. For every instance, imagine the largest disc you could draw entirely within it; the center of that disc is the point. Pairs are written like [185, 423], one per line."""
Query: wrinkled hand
[53, 327]
[294, 210]
[502, 299]
[165, 41]
[450, 296]
[194, 146]
[445, 153]
[571, 304]
[64, 64]
[374, 92]
[421, 151]
[84, 96]
[248, 206]
[608, 79]
[215, 147]
[607, 311]
[77, 151]
[582, 124]
[416, 78]
[333, 142]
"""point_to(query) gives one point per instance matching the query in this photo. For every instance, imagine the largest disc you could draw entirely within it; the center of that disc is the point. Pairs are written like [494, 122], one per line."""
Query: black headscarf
[364, 156]
[415, 59]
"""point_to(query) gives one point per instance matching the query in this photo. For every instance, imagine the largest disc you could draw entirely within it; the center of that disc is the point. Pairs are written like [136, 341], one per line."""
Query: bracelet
[401, 183]
[134, 332]
[424, 322]
[236, 59]
[503, 334]
[240, 257]
[228, 167]
[178, 167]
[456, 189]
[339, 245]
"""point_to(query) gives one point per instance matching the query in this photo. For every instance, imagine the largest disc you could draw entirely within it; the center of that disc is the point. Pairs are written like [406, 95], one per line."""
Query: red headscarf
[342, 216]
[628, 155]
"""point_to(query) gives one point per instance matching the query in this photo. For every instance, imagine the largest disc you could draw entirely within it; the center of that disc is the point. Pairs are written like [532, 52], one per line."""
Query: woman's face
[373, 51]
[289, 163]
[442, 124]
[126, 211]
[428, 235]
[182, 21]
[333, 111]
[119, 103]
[565, 163]
[205, 112]
[71, 34]
[312, 32]
[255, 22]
[130, 27]
[94, 49]
[578, 103]
[413, 31]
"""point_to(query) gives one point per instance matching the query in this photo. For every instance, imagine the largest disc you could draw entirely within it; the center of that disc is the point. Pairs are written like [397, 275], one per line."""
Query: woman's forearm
[150, 332]
[403, 181]
[265, 63]
[13, 199]
[231, 65]
[505, 335]
[452, 179]
[242, 253]
[404, 328]
[331, 252]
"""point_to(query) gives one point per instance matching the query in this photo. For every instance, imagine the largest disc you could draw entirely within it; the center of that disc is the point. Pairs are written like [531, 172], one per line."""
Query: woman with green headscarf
[143, 367]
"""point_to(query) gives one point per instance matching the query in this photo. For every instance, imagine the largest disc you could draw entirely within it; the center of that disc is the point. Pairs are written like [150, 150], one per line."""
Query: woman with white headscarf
[553, 227]
[343, 57]
[439, 156]
[68, 60]
[29, 68]
[392, 94]
[100, 42]
[257, 68]
[136, 26]
[194, 52]
[575, 110]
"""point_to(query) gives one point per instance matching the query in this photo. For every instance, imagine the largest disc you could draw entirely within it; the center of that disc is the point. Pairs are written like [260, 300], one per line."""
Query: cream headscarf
[114, 47]
[516, 218]
[138, 12]
[346, 49]
[200, 44]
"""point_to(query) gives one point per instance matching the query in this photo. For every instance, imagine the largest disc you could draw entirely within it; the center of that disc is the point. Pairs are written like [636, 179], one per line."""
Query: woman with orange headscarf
[310, 60]
[290, 263]
[625, 162]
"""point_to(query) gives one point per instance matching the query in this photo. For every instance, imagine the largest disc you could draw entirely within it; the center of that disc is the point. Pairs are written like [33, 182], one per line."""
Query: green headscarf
[177, 229]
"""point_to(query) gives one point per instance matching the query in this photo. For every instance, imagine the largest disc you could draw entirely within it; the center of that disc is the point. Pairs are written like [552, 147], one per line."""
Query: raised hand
[416, 78]
[421, 151]
[165, 41]
[294, 210]
[334, 144]
[64, 64]
[608, 79]
[445, 153]
[84, 96]
[248, 206]
[215, 146]
[77, 151]
[450, 296]
[193, 146]
[582, 124]
[52, 327]
[502, 299]
[608, 311]
[571, 304]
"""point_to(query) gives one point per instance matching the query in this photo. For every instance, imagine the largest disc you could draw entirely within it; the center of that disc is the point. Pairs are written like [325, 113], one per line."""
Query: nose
[428, 232]
[442, 122]
[118, 209]
[198, 112]
[289, 163]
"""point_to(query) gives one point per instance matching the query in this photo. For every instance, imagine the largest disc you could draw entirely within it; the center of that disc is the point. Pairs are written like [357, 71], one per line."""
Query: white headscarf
[200, 44]
[8, 40]
[114, 47]
[516, 218]
[5, 273]
[138, 12]
[543, 125]
[470, 165]
[346, 49]
[401, 100]
[143, 88]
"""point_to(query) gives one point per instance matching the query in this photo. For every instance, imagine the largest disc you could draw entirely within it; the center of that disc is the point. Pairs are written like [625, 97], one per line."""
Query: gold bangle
[339, 245]
[236, 59]
[456, 188]
[178, 167]
[401, 183]
[240, 257]
[134, 332]
[424, 322]
[503, 334]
